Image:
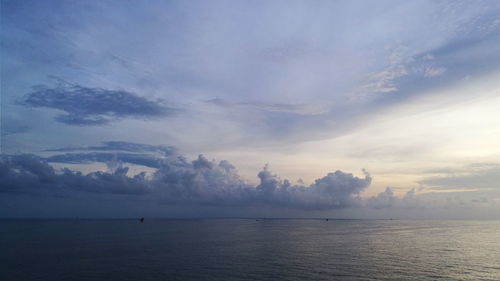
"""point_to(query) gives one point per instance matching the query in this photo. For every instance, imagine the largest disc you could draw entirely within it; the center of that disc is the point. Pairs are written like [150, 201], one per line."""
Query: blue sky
[406, 90]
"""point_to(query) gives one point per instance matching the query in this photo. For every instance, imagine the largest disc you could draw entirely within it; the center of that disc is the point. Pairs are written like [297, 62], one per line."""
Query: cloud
[291, 67]
[416, 199]
[385, 80]
[404, 67]
[29, 174]
[179, 181]
[384, 199]
[94, 106]
[120, 146]
[335, 190]
[475, 176]
[106, 157]
[301, 109]
[431, 71]
[113, 152]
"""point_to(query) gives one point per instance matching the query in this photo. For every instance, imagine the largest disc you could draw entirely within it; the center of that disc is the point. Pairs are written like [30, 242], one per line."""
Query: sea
[248, 249]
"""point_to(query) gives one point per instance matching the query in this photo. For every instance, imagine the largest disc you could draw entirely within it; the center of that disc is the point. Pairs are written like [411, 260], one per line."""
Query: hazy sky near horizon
[390, 106]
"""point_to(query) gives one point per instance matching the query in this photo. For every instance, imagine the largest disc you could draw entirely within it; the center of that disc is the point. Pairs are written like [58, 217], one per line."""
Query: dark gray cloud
[113, 152]
[120, 146]
[203, 183]
[84, 106]
[30, 174]
[384, 199]
[335, 190]
[179, 181]
[105, 157]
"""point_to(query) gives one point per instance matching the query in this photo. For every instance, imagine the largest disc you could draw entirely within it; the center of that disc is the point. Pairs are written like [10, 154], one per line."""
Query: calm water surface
[239, 249]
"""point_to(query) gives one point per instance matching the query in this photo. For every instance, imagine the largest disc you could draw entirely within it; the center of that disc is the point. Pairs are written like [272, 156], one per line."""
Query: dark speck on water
[240, 249]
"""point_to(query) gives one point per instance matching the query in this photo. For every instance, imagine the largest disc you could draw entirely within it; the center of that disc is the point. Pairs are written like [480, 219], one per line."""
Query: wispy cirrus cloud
[299, 109]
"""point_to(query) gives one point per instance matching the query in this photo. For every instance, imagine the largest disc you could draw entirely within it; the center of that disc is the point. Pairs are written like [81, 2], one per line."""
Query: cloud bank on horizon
[178, 182]
[408, 90]
[175, 180]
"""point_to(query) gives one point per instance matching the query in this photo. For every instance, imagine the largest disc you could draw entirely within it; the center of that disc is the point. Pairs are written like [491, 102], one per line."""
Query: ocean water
[249, 249]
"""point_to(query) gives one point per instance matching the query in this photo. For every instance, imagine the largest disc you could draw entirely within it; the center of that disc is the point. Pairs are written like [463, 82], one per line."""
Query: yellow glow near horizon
[449, 128]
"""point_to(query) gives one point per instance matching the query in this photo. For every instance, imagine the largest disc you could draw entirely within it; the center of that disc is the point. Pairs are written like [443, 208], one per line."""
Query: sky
[341, 109]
